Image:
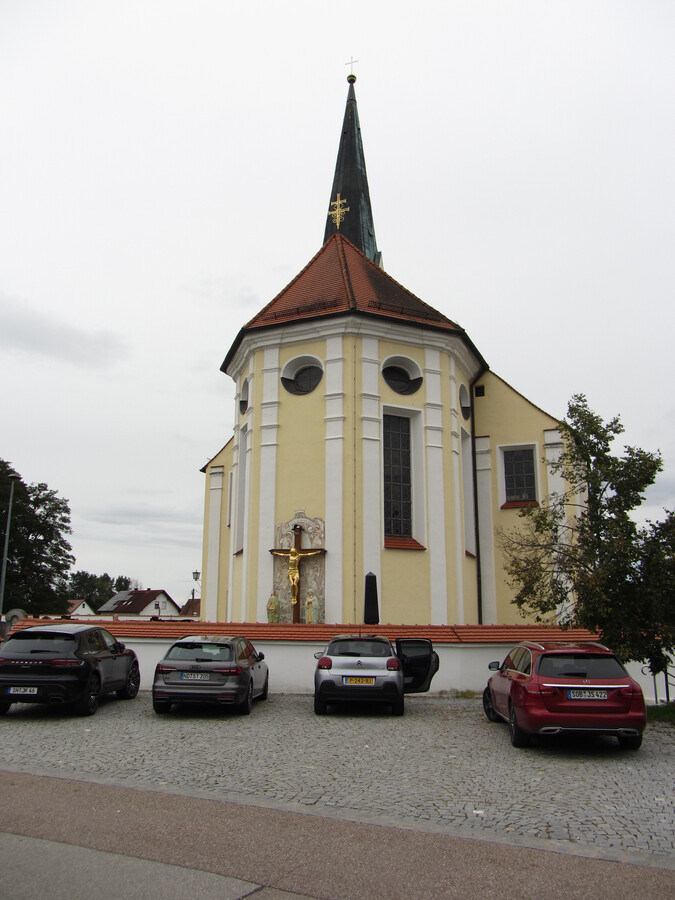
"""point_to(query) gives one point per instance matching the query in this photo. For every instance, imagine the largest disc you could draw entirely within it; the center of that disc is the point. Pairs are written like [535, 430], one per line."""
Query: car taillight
[228, 670]
[546, 690]
[65, 662]
[631, 690]
[393, 664]
[162, 667]
[325, 663]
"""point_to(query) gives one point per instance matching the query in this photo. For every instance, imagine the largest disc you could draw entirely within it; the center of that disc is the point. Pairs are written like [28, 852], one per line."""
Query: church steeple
[349, 211]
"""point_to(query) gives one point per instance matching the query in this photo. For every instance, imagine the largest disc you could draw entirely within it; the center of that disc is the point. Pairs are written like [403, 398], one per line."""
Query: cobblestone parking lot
[442, 767]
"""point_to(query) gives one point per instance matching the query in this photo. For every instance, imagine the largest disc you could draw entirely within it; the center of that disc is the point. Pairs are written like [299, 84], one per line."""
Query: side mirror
[120, 647]
[318, 654]
[494, 666]
[261, 656]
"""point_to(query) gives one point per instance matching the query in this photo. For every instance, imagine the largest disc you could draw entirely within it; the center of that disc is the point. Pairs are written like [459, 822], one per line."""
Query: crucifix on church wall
[295, 556]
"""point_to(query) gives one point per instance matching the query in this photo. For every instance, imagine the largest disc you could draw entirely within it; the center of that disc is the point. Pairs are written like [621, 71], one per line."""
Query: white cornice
[357, 326]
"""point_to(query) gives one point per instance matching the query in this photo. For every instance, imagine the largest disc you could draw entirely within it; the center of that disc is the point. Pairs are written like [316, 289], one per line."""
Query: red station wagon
[556, 687]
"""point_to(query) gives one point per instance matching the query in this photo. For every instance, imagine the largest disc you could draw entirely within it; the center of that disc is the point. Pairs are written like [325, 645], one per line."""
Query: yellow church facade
[370, 438]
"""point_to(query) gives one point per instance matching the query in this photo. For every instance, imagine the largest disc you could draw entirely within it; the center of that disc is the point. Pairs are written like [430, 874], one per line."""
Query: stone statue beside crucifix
[305, 589]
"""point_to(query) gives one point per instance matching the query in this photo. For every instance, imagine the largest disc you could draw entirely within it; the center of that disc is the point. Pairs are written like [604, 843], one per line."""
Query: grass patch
[664, 712]
[461, 695]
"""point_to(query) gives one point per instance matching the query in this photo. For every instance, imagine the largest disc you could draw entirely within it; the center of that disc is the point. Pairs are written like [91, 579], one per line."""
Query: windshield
[201, 651]
[47, 642]
[581, 665]
[355, 647]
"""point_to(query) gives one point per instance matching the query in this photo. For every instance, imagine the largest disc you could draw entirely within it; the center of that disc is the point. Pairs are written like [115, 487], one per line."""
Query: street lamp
[12, 480]
[195, 575]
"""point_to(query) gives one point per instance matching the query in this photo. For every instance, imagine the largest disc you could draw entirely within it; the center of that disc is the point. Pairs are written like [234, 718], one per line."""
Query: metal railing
[668, 683]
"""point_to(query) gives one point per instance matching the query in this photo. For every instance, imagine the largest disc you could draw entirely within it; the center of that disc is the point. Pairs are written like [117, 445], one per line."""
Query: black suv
[66, 664]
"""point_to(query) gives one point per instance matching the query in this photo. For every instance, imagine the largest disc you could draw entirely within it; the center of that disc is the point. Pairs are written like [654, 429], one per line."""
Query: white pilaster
[210, 598]
[435, 488]
[234, 503]
[458, 551]
[371, 457]
[553, 448]
[335, 439]
[269, 429]
[486, 530]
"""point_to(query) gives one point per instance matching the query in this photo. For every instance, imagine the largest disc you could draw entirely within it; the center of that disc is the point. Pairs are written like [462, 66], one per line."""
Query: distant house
[80, 608]
[141, 603]
[192, 607]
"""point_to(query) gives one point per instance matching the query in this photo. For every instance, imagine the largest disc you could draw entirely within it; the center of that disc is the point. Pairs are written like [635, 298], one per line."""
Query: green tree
[96, 589]
[39, 555]
[124, 583]
[581, 559]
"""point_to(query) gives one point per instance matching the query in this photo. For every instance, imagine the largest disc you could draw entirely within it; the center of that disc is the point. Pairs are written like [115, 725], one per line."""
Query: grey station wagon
[210, 669]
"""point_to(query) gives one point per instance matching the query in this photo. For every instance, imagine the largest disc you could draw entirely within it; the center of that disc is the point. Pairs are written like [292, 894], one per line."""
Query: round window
[304, 381]
[399, 380]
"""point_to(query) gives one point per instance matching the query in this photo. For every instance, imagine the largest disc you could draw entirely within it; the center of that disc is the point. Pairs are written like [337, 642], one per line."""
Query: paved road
[442, 773]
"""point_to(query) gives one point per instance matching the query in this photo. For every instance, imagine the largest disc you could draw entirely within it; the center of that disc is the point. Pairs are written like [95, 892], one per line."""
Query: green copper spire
[349, 212]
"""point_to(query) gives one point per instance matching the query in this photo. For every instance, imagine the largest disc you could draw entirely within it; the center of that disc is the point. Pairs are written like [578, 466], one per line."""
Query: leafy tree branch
[581, 559]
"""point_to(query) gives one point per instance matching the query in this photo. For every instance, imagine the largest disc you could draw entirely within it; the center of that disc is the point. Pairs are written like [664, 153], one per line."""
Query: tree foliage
[38, 554]
[97, 589]
[581, 559]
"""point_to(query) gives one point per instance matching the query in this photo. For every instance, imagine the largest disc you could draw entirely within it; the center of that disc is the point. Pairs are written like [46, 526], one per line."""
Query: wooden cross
[295, 556]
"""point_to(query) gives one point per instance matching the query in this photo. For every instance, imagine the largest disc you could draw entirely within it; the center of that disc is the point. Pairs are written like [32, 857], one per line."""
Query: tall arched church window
[397, 476]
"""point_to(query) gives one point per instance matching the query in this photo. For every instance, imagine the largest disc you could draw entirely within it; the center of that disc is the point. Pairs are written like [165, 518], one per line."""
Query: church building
[370, 438]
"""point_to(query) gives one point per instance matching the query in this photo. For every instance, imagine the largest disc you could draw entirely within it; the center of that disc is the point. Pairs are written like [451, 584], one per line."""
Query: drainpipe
[479, 582]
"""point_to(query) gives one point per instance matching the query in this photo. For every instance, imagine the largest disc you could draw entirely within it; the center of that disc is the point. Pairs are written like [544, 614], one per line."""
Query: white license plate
[23, 690]
[194, 676]
[353, 679]
[582, 694]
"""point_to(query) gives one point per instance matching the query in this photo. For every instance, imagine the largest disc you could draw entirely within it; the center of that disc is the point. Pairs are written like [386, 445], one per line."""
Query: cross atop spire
[349, 210]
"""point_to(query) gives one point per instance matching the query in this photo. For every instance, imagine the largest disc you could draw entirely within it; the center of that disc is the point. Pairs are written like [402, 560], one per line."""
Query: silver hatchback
[210, 669]
[370, 667]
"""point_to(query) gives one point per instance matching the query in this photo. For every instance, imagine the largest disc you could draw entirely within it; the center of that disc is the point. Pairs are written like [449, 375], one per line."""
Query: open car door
[419, 662]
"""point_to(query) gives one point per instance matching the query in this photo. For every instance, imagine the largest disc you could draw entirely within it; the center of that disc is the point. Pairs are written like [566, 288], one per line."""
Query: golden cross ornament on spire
[350, 63]
[337, 214]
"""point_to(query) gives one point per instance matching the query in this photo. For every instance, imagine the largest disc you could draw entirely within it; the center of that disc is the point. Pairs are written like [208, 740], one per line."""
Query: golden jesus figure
[294, 557]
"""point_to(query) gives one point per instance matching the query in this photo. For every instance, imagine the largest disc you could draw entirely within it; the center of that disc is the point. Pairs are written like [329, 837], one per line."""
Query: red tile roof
[191, 608]
[339, 280]
[171, 630]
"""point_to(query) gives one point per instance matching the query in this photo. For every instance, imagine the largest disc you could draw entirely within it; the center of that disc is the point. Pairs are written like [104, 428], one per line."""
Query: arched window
[243, 397]
[464, 402]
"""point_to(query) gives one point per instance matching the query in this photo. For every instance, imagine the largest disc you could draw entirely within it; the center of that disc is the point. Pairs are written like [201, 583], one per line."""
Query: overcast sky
[165, 170]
